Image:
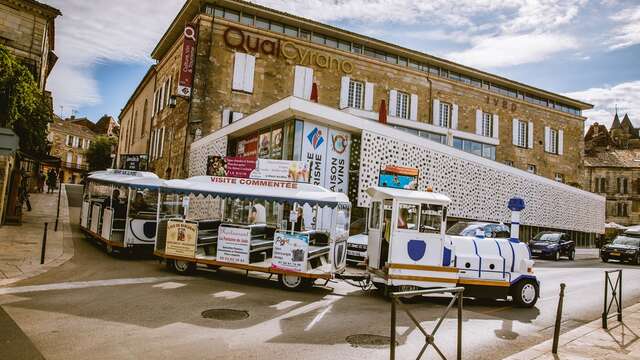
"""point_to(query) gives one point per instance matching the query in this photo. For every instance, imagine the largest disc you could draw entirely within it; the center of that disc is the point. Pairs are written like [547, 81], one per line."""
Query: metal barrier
[616, 296]
[429, 338]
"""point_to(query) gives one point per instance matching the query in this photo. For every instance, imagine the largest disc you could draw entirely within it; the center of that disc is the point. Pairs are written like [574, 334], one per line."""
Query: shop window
[407, 217]
[532, 169]
[430, 218]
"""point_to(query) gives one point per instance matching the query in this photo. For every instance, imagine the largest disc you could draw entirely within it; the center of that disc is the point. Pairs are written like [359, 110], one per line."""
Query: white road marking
[228, 294]
[285, 304]
[318, 317]
[84, 284]
[169, 285]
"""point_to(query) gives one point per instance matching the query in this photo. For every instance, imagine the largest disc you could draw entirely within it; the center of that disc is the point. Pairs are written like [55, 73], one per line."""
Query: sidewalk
[587, 253]
[20, 246]
[591, 341]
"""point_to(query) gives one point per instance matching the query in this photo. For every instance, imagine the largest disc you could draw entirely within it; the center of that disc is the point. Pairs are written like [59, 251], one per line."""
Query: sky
[588, 50]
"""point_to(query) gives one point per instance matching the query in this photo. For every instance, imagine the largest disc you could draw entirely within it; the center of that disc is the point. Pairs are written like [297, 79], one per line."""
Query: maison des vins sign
[237, 39]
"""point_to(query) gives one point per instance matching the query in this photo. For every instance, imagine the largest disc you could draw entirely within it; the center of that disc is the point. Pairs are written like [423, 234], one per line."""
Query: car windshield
[625, 240]
[553, 237]
[464, 228]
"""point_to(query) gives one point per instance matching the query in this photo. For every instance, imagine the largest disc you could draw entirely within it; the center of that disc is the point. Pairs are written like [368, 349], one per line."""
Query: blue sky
[584, 49]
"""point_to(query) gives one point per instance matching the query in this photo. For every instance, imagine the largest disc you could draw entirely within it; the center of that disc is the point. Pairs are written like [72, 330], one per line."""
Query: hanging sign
[233, 245]
[185, 82]
[290, 251]
[181, 238]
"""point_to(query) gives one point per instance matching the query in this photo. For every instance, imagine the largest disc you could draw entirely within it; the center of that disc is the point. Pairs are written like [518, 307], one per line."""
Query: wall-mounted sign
[237, 39]
[283, 170]
[134, 162]
[185, 82]
[233, 245]
[290, 251]
[502, 103]
[181, 238]
[337, 166]
[398, 177]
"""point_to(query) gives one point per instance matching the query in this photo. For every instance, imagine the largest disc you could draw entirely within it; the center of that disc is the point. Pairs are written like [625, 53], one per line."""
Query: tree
[23, 106]
[99, 153]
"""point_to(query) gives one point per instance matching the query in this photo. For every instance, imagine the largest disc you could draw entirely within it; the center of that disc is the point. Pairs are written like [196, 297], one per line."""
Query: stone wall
[615, 197]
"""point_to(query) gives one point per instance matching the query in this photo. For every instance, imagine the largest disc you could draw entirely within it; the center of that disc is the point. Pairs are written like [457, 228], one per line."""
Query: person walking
[51, 180]
[41, 180]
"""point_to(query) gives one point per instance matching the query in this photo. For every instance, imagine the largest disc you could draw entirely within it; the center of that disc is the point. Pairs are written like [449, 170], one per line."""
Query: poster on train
[181, 238]
[290, 251]
[234, 245]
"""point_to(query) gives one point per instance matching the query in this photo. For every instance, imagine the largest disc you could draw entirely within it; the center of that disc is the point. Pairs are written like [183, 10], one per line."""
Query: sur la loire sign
[237, 39]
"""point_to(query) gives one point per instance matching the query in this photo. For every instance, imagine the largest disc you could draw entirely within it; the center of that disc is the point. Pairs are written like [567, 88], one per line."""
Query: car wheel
[572, 254]
[636, 260]
[556, 256]
[605, 259]
[292, 282]
[183, 267]
[525, 293]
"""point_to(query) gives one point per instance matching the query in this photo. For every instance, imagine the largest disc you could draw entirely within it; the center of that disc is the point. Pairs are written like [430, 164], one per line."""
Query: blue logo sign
[416, 249]
[315, 138]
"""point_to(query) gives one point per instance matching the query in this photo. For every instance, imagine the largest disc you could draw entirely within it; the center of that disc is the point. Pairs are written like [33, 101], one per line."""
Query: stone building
[612, 168]
[251, 59]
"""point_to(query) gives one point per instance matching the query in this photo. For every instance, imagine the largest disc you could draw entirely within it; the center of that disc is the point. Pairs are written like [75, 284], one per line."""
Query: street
[132, 307]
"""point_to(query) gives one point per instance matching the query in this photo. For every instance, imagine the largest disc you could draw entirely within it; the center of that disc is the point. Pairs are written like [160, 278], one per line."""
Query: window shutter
[530, 135]
[308, 83]
[66, 140]
[478, 122]
[226, 117]
[344, 92]
[436, 113]
[454, 116]
[496, 125]
[413, 115]
[249, 69]
[560, 142]
[393, 103]
[151, 145]
[238, 71]
[515, 131]
[161, 142]
[299, 76]
[547, 139]
[368, 96]
[235, 116]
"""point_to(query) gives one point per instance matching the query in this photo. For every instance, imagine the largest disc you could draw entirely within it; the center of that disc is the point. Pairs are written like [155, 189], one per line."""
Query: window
[262, 23]
[622, 185]
[521, 135]
[304, 34]
[69, 157]
[485, 150]
[623, 209]
[356, 94]
[531, 168]
[430, 218]
[601, 185]
[551, 140]
[559, 178]
[232, 15]
[344, 46]
[277, 27]
[445, 115]
[487, 125]
[407, 217]
[247, 19]
[291, 31]
[374, 221]
[402, 105]
[79, 159]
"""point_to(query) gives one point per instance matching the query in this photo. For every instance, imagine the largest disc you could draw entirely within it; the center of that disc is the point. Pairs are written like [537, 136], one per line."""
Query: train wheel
[183, 267]
[292, 282]
[525, 293]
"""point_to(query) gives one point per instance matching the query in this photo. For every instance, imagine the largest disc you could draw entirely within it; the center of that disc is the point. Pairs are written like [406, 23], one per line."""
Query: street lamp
[172, 101]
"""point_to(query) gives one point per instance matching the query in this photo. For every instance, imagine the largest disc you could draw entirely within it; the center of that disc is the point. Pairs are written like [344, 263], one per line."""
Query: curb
[68, 250]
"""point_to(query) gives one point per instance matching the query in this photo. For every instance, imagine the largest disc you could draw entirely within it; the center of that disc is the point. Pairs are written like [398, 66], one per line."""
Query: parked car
[357, 248]
[625, 247]
[552, 245]
[475, 228]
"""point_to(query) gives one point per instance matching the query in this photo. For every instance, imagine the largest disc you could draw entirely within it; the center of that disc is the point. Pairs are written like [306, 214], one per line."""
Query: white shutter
[496, 124]
[436, 113]
[530, 135]
[454, 117]
[155, 144]
[238, 71]
[478, 122]
[515, 131]
[547, 139]
[368, 96]
[76, 140]
[66, 140]
[226, 117]
[161, 142]
[344, 92]
[249, 69]
[69, 157]
[151, 145]
[298, 81]
[235, 116]
[413, 114]
[393, 103]
[560, 142]
[161, 101]
[79, 159]
[308, 83]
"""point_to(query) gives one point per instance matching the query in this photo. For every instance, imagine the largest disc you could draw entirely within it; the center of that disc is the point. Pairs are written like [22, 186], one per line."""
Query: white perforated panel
[479, 191]
[201, 151]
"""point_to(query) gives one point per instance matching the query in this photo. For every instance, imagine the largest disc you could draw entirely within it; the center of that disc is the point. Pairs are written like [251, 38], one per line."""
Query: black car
[625, 247]
[552, 245]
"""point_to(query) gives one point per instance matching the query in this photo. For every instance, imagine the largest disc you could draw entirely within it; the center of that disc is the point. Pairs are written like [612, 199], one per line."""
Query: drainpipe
[430, 100]
[516, 205]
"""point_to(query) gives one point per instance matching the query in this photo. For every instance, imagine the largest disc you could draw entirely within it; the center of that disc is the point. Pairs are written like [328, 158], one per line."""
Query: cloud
[510, 50]
[90, 32]
[626, 30]
[625, 95]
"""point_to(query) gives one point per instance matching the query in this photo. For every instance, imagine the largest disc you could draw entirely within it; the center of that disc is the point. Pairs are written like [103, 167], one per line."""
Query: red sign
[188, 59]
[240, 166]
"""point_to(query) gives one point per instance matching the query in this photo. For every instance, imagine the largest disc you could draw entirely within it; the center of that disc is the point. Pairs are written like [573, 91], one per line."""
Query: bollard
[44, 244]
[459, 354]
[393, 329]
[556, 331]
[58, 211]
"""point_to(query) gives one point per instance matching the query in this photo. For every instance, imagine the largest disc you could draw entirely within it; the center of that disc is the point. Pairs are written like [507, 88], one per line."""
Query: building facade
[612, 169]
[249, 58]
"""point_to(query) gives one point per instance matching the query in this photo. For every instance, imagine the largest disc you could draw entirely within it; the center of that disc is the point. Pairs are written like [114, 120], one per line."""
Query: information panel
[181, 238]
[107, 216]
[233, 245]
[290, 251]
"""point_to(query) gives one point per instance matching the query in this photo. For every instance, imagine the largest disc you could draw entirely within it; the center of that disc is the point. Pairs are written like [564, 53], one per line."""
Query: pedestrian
[41, 179]
[24, 190]
[51, 180]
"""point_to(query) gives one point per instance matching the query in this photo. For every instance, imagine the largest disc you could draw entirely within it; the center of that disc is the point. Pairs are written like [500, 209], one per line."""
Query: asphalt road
[107, 307]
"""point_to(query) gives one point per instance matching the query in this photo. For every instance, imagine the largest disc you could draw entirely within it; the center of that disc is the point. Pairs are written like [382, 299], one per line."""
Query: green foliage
[99, 153]
[23, 107]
